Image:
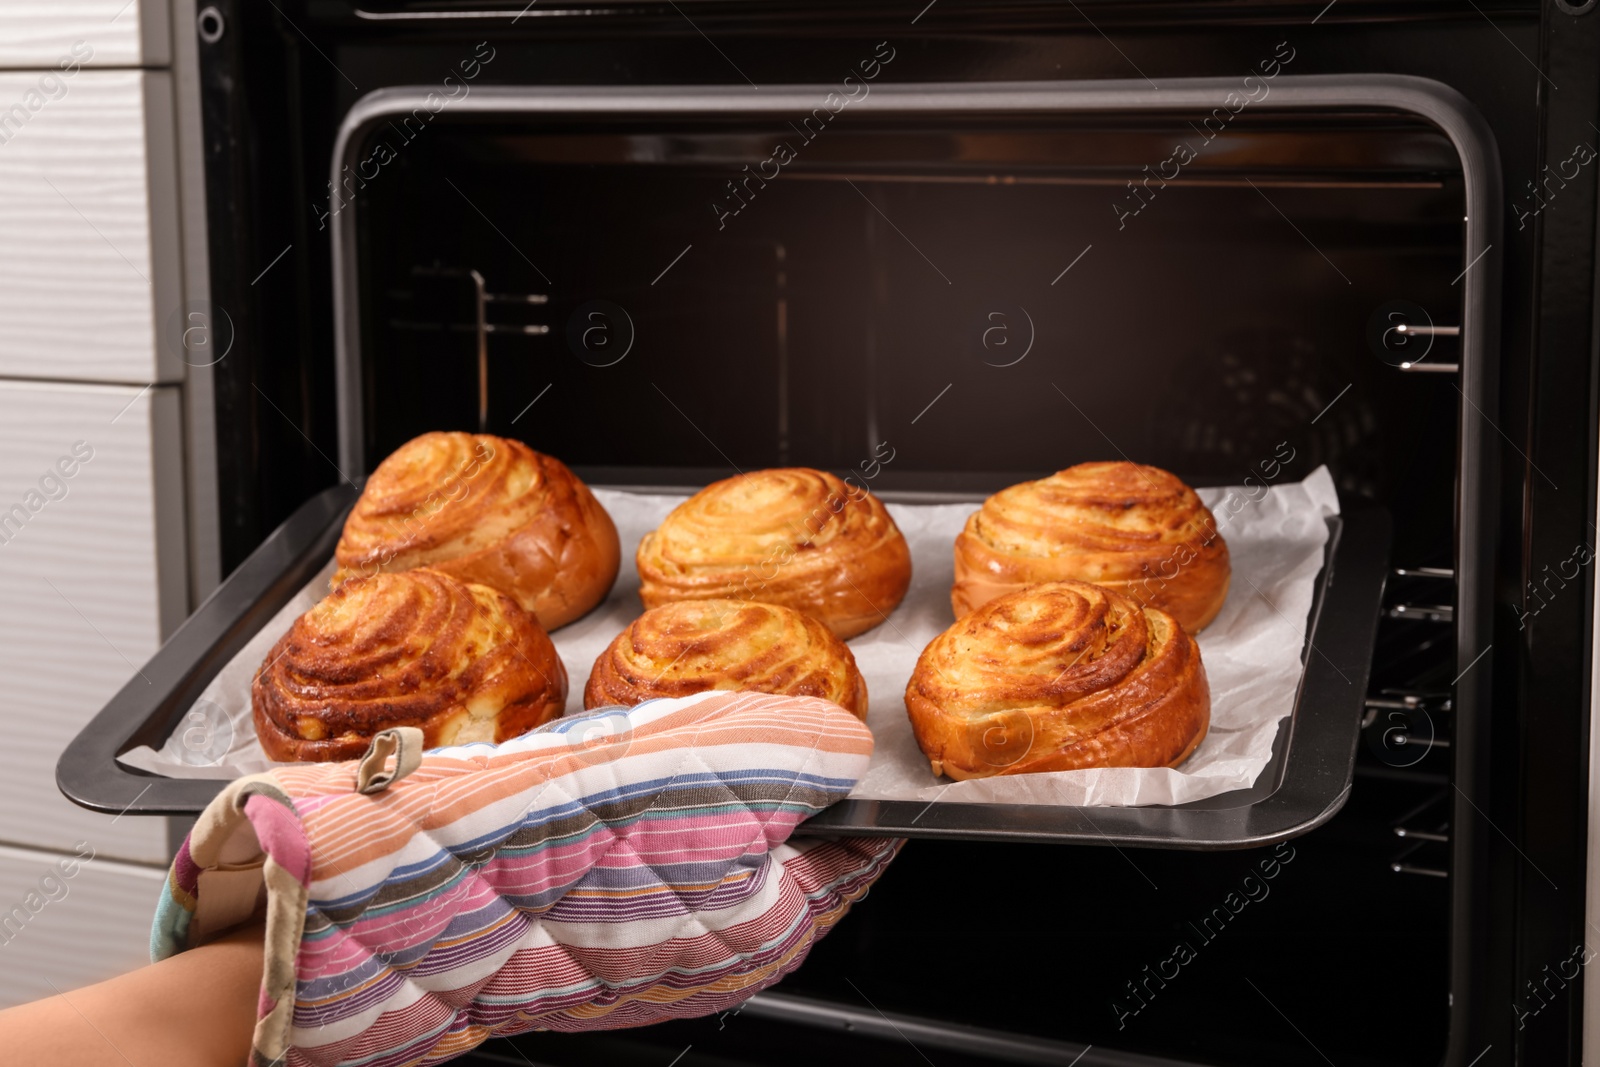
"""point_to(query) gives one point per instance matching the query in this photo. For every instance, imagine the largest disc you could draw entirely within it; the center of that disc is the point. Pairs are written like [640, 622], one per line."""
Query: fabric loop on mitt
[404, 743]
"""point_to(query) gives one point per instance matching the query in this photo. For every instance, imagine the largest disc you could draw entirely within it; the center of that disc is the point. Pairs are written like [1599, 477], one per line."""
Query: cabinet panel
[70, 919]
[113, 33]
[91, 563]
[89, 284]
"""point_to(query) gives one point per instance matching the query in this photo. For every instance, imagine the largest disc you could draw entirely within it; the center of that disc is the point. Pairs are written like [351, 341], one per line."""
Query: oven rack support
[481, 327]
[1422, 366]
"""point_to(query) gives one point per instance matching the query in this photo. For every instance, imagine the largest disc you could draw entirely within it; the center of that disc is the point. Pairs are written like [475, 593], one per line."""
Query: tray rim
[147, 712]
[115, 789]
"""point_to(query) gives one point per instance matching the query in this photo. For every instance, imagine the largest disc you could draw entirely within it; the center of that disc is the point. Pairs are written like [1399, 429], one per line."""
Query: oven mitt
[615, 869]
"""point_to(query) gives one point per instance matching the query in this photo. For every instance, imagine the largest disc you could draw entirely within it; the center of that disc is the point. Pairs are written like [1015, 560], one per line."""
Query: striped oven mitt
[615, 869]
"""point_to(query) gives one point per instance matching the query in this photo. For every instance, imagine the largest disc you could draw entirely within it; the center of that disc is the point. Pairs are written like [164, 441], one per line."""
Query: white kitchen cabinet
[91, 566]
[90, 271]
[119, 33]
[70, 919]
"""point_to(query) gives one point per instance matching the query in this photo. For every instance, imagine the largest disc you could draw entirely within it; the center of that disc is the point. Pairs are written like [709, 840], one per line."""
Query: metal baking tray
[1306, 782]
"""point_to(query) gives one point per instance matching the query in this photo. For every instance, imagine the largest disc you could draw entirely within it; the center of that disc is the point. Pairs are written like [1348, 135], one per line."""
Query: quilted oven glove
[609, 870]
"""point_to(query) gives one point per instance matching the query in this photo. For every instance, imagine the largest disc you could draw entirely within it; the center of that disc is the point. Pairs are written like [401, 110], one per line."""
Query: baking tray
[1304, 784]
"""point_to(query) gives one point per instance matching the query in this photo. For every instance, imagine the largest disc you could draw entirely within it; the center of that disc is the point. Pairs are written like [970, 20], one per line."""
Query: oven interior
[956, 304]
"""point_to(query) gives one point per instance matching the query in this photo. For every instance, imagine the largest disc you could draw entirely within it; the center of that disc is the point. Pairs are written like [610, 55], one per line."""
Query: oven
[665, 241]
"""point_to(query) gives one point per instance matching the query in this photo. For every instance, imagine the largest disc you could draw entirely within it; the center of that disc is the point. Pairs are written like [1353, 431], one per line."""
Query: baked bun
[1135, 529]
[487, 510]
[418, 648]
[690, 646]
[1057, 677]
[792, 536]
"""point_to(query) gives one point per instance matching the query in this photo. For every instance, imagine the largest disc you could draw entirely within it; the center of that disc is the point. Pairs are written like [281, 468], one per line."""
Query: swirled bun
[1135, 529]
[462, 662]
[793, 536]
[487, 510]
[689, 646]
[1055, 678]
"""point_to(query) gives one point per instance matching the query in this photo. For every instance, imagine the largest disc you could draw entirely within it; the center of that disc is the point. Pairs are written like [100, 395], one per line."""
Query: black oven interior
[984, 300]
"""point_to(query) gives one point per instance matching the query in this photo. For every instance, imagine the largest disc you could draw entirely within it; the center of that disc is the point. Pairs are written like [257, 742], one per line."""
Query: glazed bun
[487, 510]
[419, 648]
[1134, 529]
[793, 536]
[689, 646]
[1055, 678]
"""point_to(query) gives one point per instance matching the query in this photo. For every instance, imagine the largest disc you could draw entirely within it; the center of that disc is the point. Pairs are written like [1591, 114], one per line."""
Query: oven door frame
[1478, 478]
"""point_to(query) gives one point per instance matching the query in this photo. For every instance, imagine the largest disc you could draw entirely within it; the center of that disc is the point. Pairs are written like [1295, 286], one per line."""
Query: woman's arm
[196, 1009]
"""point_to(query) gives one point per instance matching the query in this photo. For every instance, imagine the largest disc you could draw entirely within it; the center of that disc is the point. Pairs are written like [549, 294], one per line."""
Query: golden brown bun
[690, 646]
[1058, 677]
[487, 510]
[419, 648]
[1135, 529]
[792, 536]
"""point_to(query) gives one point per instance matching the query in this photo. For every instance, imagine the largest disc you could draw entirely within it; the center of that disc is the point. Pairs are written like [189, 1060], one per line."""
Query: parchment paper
[1251, 653]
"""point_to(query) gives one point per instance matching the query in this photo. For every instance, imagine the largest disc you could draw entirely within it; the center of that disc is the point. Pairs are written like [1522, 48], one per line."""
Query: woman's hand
[196, 1009]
